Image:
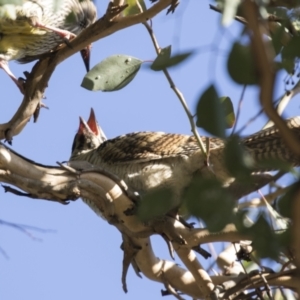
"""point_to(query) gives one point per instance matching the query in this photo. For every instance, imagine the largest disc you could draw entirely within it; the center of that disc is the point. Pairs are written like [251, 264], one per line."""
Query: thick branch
[61, 184]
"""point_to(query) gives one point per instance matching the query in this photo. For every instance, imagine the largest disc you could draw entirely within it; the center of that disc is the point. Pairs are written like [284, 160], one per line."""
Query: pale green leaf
[112, 74]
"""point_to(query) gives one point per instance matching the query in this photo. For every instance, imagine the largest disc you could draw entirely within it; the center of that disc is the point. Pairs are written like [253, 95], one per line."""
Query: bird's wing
[147, 146]
[30, 58]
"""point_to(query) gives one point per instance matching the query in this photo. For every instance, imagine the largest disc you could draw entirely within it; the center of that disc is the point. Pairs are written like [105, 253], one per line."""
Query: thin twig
[29, 227]
[241, 263]
[177, 92]
[24, 229]
[237, 18]
[267, 286]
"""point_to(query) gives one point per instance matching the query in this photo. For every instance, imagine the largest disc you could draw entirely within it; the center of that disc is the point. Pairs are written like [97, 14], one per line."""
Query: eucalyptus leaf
[241, 65]
[112, 74]
[280, 37]
[155, 204]
[210, 113]
[171, 61]
[286, 202]
[228, 111]
[264, 239]
[209, 200]
[290, 52]
[277, 164]
[161, 59]
[238, 161]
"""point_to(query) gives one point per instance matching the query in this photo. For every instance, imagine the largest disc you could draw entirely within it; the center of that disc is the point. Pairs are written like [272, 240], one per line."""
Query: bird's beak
[83, 126]
[95, 128]
[92, 123]
[86, 54]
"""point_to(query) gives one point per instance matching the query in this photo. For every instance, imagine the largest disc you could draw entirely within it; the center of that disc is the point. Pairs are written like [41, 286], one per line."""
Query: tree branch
[41, 73]
[264, 58]
[106, 195]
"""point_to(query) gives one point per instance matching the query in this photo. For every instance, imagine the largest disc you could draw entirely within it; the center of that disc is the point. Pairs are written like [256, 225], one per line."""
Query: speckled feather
[23, 42]
[146, 146]
[268, 144]
[153, 160]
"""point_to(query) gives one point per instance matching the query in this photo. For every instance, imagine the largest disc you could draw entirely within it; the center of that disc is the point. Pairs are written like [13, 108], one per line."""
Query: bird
[148, 161]
[36, 27]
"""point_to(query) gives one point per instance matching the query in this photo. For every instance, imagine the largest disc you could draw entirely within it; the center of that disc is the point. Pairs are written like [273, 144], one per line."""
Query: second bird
[37, 27]
[151, 160]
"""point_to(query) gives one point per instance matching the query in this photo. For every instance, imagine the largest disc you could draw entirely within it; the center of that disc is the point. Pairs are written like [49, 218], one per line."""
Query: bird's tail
[267, 144]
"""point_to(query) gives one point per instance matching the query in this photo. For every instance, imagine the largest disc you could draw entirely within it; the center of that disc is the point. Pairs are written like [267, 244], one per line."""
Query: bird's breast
[18, 38]
[171, 173]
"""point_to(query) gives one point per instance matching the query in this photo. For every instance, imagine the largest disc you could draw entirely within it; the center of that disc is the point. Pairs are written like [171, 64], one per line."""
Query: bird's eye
[90, 145]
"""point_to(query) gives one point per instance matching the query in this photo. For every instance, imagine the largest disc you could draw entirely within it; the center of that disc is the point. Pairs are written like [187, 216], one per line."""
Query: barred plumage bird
[150, 160]
[37, 28]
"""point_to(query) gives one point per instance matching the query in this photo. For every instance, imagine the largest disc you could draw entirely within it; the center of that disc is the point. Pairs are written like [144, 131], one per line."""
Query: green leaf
[170, 62]
[265, 242]
[285, 203]
[134, 8]
[228, 111]
[163, 56]
[279, 38]
[155, 204]
[279, 31]
[290, 52]
[208, 200]
[276, 164]
[237, 161]
[241, 65]
[210, 113]
[264, 239]
[284, 238]
[112, 74]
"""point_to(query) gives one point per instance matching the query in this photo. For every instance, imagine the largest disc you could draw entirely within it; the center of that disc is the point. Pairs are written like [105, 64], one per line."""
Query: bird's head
[89, 136]
[82, 15]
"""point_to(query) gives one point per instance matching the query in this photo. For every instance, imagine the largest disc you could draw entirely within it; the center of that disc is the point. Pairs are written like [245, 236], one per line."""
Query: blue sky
[81, 257]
